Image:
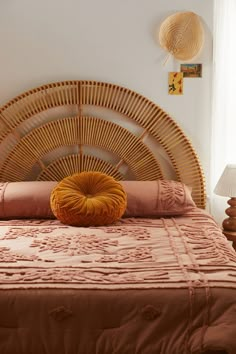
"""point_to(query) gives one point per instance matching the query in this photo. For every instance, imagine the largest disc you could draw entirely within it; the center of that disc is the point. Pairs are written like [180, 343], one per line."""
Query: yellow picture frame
[175, 83]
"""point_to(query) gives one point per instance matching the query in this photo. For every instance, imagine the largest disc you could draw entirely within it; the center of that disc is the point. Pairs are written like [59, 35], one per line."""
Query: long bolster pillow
[144, 199]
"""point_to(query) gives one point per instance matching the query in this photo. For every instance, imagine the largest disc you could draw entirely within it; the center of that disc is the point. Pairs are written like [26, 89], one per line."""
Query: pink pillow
[157, 198]
[144, 198]
[26, 200]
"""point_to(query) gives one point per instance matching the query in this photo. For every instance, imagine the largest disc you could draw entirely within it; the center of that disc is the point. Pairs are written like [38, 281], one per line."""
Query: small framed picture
[175, 84]
[191, 70]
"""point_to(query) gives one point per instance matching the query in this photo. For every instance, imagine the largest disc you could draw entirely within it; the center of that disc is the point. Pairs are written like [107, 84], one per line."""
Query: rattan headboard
[61, 128]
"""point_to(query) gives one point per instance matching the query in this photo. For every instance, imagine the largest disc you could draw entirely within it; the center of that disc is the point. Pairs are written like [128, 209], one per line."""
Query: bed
[143, 285]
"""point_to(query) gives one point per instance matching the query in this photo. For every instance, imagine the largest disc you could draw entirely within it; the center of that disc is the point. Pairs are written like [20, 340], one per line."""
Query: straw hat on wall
[182, 35]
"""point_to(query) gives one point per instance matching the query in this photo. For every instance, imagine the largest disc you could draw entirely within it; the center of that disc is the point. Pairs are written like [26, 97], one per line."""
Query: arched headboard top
[55, 130]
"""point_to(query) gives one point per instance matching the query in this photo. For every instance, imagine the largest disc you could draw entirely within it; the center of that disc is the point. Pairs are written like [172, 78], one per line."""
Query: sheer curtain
[224, 97]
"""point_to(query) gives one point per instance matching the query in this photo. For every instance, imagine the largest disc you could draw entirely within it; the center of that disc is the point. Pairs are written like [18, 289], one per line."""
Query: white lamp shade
[226, 185]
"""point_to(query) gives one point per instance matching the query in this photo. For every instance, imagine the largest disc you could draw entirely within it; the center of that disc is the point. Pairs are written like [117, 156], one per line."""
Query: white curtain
[224, 97]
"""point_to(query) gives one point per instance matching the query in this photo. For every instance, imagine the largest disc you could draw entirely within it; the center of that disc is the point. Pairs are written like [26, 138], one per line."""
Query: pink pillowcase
[31, 200]
[144, 198]
[157, 198]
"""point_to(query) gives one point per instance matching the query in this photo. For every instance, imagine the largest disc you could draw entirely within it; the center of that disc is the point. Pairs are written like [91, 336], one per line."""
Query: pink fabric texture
[144, 199]
[157, 198]
[139, 286]
[26, 200]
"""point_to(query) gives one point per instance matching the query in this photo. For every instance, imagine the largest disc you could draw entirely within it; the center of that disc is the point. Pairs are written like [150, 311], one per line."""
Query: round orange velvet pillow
[88, 199]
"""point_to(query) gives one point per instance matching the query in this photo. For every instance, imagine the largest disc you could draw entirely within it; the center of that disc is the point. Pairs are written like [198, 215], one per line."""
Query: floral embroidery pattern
[148, 254]
[79, 276]
[172, 194]
[139, 233]
[137, 221]
[30, 222]
[138, 254]
[74, 244]
[208, 244]
[15, 232]
[8, 256]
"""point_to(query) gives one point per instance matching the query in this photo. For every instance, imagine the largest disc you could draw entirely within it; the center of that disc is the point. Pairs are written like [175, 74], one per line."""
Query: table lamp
[226, 187]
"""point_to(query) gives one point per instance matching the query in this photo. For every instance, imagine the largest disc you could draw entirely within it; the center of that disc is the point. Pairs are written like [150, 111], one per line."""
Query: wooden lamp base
[229, 224]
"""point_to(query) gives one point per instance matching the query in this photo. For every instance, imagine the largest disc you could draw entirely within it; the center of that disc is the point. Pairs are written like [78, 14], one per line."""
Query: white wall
[107, 40]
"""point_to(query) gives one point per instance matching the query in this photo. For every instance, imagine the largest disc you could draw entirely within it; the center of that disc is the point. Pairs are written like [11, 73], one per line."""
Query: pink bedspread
[141, 286]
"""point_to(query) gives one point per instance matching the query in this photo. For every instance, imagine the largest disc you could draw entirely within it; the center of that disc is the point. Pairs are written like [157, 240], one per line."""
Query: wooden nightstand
[231, 236]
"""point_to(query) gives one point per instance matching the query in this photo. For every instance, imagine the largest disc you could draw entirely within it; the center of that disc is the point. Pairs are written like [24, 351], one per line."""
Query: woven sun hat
[182, 35]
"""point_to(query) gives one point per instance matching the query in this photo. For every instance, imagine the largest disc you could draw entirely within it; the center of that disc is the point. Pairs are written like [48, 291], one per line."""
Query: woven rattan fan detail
[182, 35]
[68, 165]
[26, 150]
[80, 131]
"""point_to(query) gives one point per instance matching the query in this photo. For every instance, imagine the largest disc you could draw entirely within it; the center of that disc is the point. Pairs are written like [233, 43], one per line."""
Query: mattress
[139, 286]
